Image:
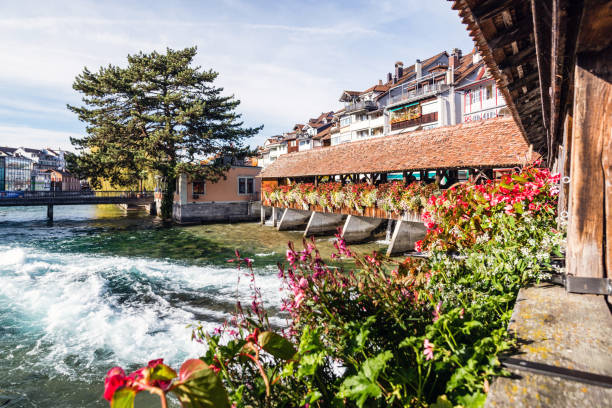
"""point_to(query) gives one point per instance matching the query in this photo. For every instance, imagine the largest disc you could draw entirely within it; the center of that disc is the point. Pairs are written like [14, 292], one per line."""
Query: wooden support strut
[589, 233]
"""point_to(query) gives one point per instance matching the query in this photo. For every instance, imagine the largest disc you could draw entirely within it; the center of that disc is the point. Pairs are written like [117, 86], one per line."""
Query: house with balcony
[317, 128]
[361, 117]
[481, 99]
[273, 147]
[419, 96]
[435, 93]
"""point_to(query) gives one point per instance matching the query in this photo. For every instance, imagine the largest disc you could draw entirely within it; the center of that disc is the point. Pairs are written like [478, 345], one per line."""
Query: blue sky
[286, 61]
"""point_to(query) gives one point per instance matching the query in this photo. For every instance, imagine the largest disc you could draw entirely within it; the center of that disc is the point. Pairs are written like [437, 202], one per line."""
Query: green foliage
[364, 384]
[276, 345]
[200, 387]
[159, 115]
[123, 398]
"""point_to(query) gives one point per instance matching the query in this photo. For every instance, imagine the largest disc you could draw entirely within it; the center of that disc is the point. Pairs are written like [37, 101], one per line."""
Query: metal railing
[417, 93]
[363, 105]
[82, 194]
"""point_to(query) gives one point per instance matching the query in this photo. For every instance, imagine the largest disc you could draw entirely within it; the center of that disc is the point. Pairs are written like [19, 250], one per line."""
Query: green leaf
[372, 367]
[442, 402]
[123, 398]
[190, 367]
[359, 389]
[276, 345]
[472, 400]
[362, 386]
[469, 325]
[200, 387]
[162, 372]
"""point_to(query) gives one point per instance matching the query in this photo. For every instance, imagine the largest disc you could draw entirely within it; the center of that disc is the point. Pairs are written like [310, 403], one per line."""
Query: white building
[272, 149]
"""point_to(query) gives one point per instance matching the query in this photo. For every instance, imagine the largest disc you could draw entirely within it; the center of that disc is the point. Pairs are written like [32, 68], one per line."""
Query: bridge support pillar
[357, 229]
[292, 218]
[320, 223]
[274, 217]
[405, 235]
[50, 212]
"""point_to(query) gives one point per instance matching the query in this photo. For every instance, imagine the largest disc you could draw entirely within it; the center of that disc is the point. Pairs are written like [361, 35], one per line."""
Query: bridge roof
[485, 144]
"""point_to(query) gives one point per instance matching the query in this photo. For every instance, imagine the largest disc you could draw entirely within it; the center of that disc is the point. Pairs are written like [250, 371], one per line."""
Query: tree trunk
[167, 203]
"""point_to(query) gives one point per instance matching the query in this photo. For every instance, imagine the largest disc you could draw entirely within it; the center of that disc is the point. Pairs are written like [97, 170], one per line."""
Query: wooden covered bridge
[552, 60]
[443, 155]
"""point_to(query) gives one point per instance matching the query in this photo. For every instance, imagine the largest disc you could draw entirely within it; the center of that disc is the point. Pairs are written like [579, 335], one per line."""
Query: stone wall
[228, 211]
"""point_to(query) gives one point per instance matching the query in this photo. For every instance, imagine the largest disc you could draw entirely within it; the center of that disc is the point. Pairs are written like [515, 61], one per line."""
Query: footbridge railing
[36, 198]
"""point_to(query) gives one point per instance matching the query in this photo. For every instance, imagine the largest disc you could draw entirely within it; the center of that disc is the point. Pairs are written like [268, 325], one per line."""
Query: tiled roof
[321, 134]
[7, 150]
[376, 88]
[484, 144]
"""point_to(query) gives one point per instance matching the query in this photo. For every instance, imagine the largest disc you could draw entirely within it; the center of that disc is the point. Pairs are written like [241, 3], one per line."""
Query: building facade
[442, 90]
[16, 174]
[233, 198]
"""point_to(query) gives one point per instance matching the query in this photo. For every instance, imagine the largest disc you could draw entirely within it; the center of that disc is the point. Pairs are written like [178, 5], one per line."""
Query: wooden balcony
[427, 118]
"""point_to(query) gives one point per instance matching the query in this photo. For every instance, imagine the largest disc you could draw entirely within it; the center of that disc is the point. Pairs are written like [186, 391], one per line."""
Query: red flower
[115, 379]
[253, 337]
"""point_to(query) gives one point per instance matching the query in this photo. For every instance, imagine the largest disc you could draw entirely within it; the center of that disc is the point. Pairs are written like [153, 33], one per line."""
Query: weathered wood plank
[606, 162]
[591, 127]
[506, 37]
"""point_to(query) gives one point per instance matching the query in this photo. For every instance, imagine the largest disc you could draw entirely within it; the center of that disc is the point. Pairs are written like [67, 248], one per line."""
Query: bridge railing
[82, 194]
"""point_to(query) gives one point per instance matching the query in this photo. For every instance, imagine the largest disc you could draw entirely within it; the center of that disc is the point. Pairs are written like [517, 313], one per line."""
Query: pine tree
[161, 115]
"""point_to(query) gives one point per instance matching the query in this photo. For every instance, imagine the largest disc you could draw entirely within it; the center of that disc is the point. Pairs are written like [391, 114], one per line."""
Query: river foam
[72, 312]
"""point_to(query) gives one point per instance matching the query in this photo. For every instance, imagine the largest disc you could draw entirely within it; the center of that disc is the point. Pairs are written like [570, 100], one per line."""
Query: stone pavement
[560, 329]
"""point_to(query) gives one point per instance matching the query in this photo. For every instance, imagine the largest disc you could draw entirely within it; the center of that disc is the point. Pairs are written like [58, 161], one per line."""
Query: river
[99, 288]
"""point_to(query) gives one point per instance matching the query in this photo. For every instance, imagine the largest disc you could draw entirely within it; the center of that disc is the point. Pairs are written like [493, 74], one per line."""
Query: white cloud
[14, 136]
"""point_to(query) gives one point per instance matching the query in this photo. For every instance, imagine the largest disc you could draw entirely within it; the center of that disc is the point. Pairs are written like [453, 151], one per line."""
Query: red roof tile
[485, 144]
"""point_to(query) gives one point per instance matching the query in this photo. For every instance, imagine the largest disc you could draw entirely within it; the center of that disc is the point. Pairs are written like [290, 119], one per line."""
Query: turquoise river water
[98, 288]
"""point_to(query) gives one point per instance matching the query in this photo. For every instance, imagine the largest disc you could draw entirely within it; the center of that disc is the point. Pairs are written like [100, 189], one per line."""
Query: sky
[286, 61]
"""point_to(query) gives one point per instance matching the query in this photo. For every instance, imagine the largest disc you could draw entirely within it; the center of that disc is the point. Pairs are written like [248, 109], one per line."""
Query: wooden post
[590, 191]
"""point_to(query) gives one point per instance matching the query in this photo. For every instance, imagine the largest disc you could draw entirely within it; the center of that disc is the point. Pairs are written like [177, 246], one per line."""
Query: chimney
[380, 82]
[417, 69]
[389, 77]
[455, 58]
[399, 69]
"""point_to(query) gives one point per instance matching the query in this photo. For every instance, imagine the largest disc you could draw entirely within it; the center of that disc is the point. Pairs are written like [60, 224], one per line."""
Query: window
[489, 91]
[199, 187]
[245, 185]
[475, 96]
[345, 121]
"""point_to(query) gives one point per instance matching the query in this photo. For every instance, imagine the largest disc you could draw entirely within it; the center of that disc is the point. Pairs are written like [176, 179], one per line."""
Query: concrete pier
[321, 223]
[405, 235]
[292, 218]
[358, 229]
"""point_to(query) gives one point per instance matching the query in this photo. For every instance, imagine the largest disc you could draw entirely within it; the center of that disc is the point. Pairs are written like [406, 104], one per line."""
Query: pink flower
[436, 312]
[303, 283]
[429, 347]
[298, 298]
